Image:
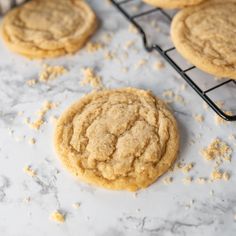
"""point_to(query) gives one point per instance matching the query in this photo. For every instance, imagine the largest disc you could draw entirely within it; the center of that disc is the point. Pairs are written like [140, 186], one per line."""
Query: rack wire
[204, 94]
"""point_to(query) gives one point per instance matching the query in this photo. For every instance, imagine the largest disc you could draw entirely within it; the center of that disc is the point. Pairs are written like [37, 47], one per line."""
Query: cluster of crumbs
[91, 78]
[93, 46]
[168, 180]
[171, 97]
[51, 72]
[41, 115]
[219, 152]
[58, 217]
[217, 149]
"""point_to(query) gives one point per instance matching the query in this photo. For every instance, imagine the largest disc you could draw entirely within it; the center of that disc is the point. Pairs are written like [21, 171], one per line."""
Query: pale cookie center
[119, 139]
[213, 31]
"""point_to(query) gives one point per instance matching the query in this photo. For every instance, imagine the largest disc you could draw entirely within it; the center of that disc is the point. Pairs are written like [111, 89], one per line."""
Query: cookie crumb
[91, 78]
[141, 63]
[217, 149]
[31, 82]
[188, 180]
[186, 168]
[28, 170]
[201, 180]
[159, 65]
[168, 180]
[51, 72]
[129, 44]
[93, 47]
[216, 175]
[41, 115]
[226, 176]
[58, 217]
[199, 118]
[32, 141]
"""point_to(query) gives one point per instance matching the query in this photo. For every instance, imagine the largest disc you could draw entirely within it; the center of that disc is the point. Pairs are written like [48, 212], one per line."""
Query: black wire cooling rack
[121, 5]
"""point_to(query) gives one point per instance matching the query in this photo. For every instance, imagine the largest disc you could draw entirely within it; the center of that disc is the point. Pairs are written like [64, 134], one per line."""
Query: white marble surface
[159, 210]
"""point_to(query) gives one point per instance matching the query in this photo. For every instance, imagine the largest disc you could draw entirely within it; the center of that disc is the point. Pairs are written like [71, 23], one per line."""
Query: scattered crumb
[186, 168]
[226, 176]
[159, 65]
[26, 199]
[32, 141]
[129, 44]
[76, 205]
[201, 180]
[141, 63]
[31, 82]
[91, 78]
[106, 38]
[51, 72]
[133, 29]
[199, 118]
[187, 180]
[41, 115]
[109, 56]
[135, 194]
[172, 97]
[29, 171]
[216, 175]
[217, 149]
[58, 217]
[168, 180]
[93, 46]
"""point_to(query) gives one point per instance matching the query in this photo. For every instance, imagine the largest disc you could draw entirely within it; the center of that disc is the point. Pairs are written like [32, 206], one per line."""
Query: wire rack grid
[165, 53]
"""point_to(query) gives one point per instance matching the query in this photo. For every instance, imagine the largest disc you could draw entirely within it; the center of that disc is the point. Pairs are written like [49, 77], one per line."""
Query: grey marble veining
[161, 210]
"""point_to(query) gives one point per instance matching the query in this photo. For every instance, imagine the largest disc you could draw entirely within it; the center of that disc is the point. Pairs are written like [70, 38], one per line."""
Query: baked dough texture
[48, 28]
[205, 35]
[173, 3]
[121, 139]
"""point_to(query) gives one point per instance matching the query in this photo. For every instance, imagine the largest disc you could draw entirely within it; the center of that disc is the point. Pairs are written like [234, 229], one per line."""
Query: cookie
[205, 35]
[44, 29]
[173, 3]
[121, 139]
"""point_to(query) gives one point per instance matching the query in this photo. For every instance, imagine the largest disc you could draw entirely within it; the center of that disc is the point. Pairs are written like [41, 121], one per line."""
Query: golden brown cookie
[205, 35]
[43, 28]
[173, 3]
[118, 139]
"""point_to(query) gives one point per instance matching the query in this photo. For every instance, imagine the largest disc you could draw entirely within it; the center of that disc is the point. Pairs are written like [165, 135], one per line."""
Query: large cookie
[205, 35]
[118, 139]
[48, 28]
[173, 3]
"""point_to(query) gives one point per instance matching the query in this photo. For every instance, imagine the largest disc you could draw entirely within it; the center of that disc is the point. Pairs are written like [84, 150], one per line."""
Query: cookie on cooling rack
[205, 35]
[42, 28]
[118, 139]
[173, 3]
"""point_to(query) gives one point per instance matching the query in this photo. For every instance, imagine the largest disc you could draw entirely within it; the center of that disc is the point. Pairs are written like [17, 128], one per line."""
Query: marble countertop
[163, 209]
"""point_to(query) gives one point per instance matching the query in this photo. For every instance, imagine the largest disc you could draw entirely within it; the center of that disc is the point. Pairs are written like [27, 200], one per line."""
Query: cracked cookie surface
[118, 139]
[173, 3]
[205, 35]
[42, 28]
